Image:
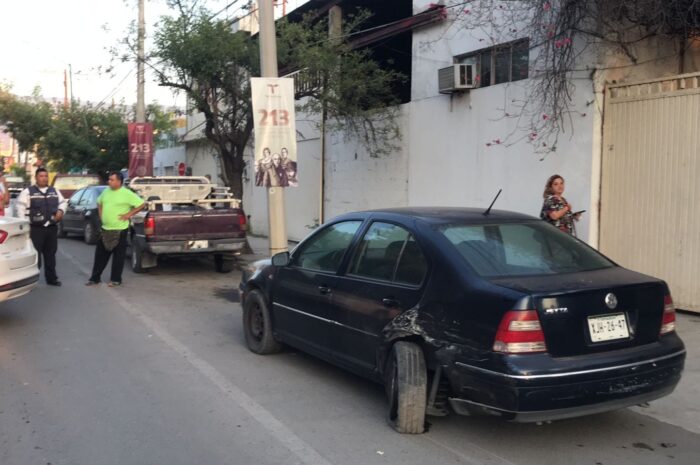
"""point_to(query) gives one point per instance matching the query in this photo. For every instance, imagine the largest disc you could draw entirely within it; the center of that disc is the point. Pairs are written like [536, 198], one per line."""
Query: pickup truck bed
[204, 227]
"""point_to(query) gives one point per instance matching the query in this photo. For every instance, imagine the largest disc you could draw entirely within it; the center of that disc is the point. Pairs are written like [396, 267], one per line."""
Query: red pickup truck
[185, 215]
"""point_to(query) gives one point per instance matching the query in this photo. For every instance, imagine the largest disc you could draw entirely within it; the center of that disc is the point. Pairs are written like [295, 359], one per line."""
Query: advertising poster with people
[275, 132]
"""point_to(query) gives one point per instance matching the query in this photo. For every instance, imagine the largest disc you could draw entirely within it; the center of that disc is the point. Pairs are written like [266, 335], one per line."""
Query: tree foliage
[203, 57]
[77, 137]
[28, 120]
[346, 84]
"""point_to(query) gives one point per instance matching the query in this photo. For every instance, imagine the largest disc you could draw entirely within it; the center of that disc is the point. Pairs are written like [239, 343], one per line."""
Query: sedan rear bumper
[19, 288]
[466, 407]
[551, 396]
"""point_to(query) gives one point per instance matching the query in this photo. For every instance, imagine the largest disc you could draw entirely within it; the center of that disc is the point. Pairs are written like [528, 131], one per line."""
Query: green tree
[201, 56]
[85, 137]
[79, 137]
[27, 120]
[351, 91]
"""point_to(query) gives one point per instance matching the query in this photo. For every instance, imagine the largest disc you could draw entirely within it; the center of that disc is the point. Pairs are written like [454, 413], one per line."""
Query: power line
[227, 7]
[116, 88]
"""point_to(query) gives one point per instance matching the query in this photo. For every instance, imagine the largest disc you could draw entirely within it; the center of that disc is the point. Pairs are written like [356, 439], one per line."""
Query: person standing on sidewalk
[556, 210]
[116, 206]
[43, 206]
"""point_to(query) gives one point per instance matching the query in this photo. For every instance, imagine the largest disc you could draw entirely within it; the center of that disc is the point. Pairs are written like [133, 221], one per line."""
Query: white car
[19, 273]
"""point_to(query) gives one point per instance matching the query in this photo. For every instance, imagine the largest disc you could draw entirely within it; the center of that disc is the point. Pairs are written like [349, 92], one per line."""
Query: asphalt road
[156, 372]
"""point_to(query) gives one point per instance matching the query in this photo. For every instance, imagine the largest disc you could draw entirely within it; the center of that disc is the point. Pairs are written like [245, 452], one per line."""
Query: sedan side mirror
[281, 259]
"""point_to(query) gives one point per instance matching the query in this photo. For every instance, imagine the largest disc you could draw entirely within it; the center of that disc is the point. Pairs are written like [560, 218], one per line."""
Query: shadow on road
[10, 319]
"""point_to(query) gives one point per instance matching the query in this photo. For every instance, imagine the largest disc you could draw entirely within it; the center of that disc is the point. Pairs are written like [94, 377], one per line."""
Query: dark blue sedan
[458, 310]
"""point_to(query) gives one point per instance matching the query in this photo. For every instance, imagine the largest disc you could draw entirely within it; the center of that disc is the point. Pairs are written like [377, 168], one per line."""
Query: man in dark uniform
[43, 206]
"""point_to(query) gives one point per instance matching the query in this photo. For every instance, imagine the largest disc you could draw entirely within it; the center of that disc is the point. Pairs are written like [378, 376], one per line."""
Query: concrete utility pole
[70, 82]
[140, 74]
[268, 68]
[65, 88]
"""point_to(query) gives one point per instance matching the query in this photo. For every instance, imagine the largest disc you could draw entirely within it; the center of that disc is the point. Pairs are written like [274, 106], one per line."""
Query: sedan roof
[442, 215]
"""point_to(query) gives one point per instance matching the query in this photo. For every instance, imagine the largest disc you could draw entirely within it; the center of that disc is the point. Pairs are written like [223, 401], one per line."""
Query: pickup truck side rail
[235, 202]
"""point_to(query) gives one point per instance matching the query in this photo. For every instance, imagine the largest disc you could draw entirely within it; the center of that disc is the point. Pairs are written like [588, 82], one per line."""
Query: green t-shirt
[116, 203]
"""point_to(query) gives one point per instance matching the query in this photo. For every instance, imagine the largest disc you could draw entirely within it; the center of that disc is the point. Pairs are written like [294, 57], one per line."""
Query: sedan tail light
[3, 236]
[668, 321]
[149, 226]
[520, 333]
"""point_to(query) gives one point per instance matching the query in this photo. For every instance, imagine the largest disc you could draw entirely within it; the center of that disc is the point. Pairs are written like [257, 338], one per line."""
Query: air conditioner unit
[457, 78]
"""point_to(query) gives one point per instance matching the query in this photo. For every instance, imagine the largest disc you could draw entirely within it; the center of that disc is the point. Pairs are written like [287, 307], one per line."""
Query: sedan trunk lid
[594, 311]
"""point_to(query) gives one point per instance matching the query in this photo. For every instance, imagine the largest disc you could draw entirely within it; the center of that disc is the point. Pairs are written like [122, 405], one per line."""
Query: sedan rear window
[522, 249]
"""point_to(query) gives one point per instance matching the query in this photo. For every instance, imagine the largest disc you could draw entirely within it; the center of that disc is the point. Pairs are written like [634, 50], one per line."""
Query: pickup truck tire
[137, 258]
[407, 388]
[90, 234]
[257, 325]
[223, 263]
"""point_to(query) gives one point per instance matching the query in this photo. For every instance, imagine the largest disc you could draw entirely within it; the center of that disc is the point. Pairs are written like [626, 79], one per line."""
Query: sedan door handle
[391, 303]
[324, 289]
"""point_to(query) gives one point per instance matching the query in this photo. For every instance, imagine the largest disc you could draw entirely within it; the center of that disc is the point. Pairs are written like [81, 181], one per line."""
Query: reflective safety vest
[42, 206]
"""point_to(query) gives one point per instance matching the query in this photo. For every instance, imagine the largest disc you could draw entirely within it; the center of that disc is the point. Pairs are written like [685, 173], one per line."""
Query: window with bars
[502, 63]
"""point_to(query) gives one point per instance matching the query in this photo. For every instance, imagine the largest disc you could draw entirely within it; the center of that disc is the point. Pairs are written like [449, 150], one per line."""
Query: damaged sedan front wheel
[406, 385]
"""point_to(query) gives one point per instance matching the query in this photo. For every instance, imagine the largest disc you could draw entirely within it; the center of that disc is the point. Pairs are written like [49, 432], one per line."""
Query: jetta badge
[611, 301]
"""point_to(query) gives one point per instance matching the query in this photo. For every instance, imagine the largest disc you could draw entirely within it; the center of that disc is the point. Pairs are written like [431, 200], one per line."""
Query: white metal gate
[650, 198]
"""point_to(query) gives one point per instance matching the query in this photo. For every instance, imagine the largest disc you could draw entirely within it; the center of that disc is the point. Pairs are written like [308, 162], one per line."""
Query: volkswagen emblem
[611, 301]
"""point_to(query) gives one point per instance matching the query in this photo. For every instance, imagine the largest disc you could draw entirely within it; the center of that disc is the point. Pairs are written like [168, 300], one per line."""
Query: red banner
[140, 149]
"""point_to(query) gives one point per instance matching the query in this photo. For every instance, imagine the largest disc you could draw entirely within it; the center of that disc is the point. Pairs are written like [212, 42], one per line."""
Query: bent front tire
[407, 388]
[257, 325]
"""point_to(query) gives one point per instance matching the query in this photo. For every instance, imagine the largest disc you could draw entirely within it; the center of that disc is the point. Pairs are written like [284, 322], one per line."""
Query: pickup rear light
[242, 221]
[149, 226]
[668, 321]
[3, 236]
[520, 333]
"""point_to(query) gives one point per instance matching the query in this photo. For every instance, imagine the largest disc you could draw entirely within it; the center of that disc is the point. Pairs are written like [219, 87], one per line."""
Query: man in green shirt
[116, 206]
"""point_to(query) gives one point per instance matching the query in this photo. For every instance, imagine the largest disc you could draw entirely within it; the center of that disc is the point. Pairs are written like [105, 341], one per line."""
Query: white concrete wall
[357, 180]
[166, 160]
[450, 162]
[202, 158]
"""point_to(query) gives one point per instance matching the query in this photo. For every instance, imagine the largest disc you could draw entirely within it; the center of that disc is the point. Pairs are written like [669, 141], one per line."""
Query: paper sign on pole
[275, 132]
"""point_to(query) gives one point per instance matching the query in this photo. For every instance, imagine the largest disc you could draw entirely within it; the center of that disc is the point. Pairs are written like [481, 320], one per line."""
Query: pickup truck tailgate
[199, 224]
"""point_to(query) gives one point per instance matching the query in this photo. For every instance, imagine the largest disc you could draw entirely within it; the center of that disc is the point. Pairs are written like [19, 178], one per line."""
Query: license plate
[198, 245]
[608, 327]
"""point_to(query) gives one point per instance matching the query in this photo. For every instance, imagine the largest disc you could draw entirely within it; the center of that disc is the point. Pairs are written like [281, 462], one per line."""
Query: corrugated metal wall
[650, 198]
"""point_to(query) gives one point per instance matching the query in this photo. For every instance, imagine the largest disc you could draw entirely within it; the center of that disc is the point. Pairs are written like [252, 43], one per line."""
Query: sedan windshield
[521, 249]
